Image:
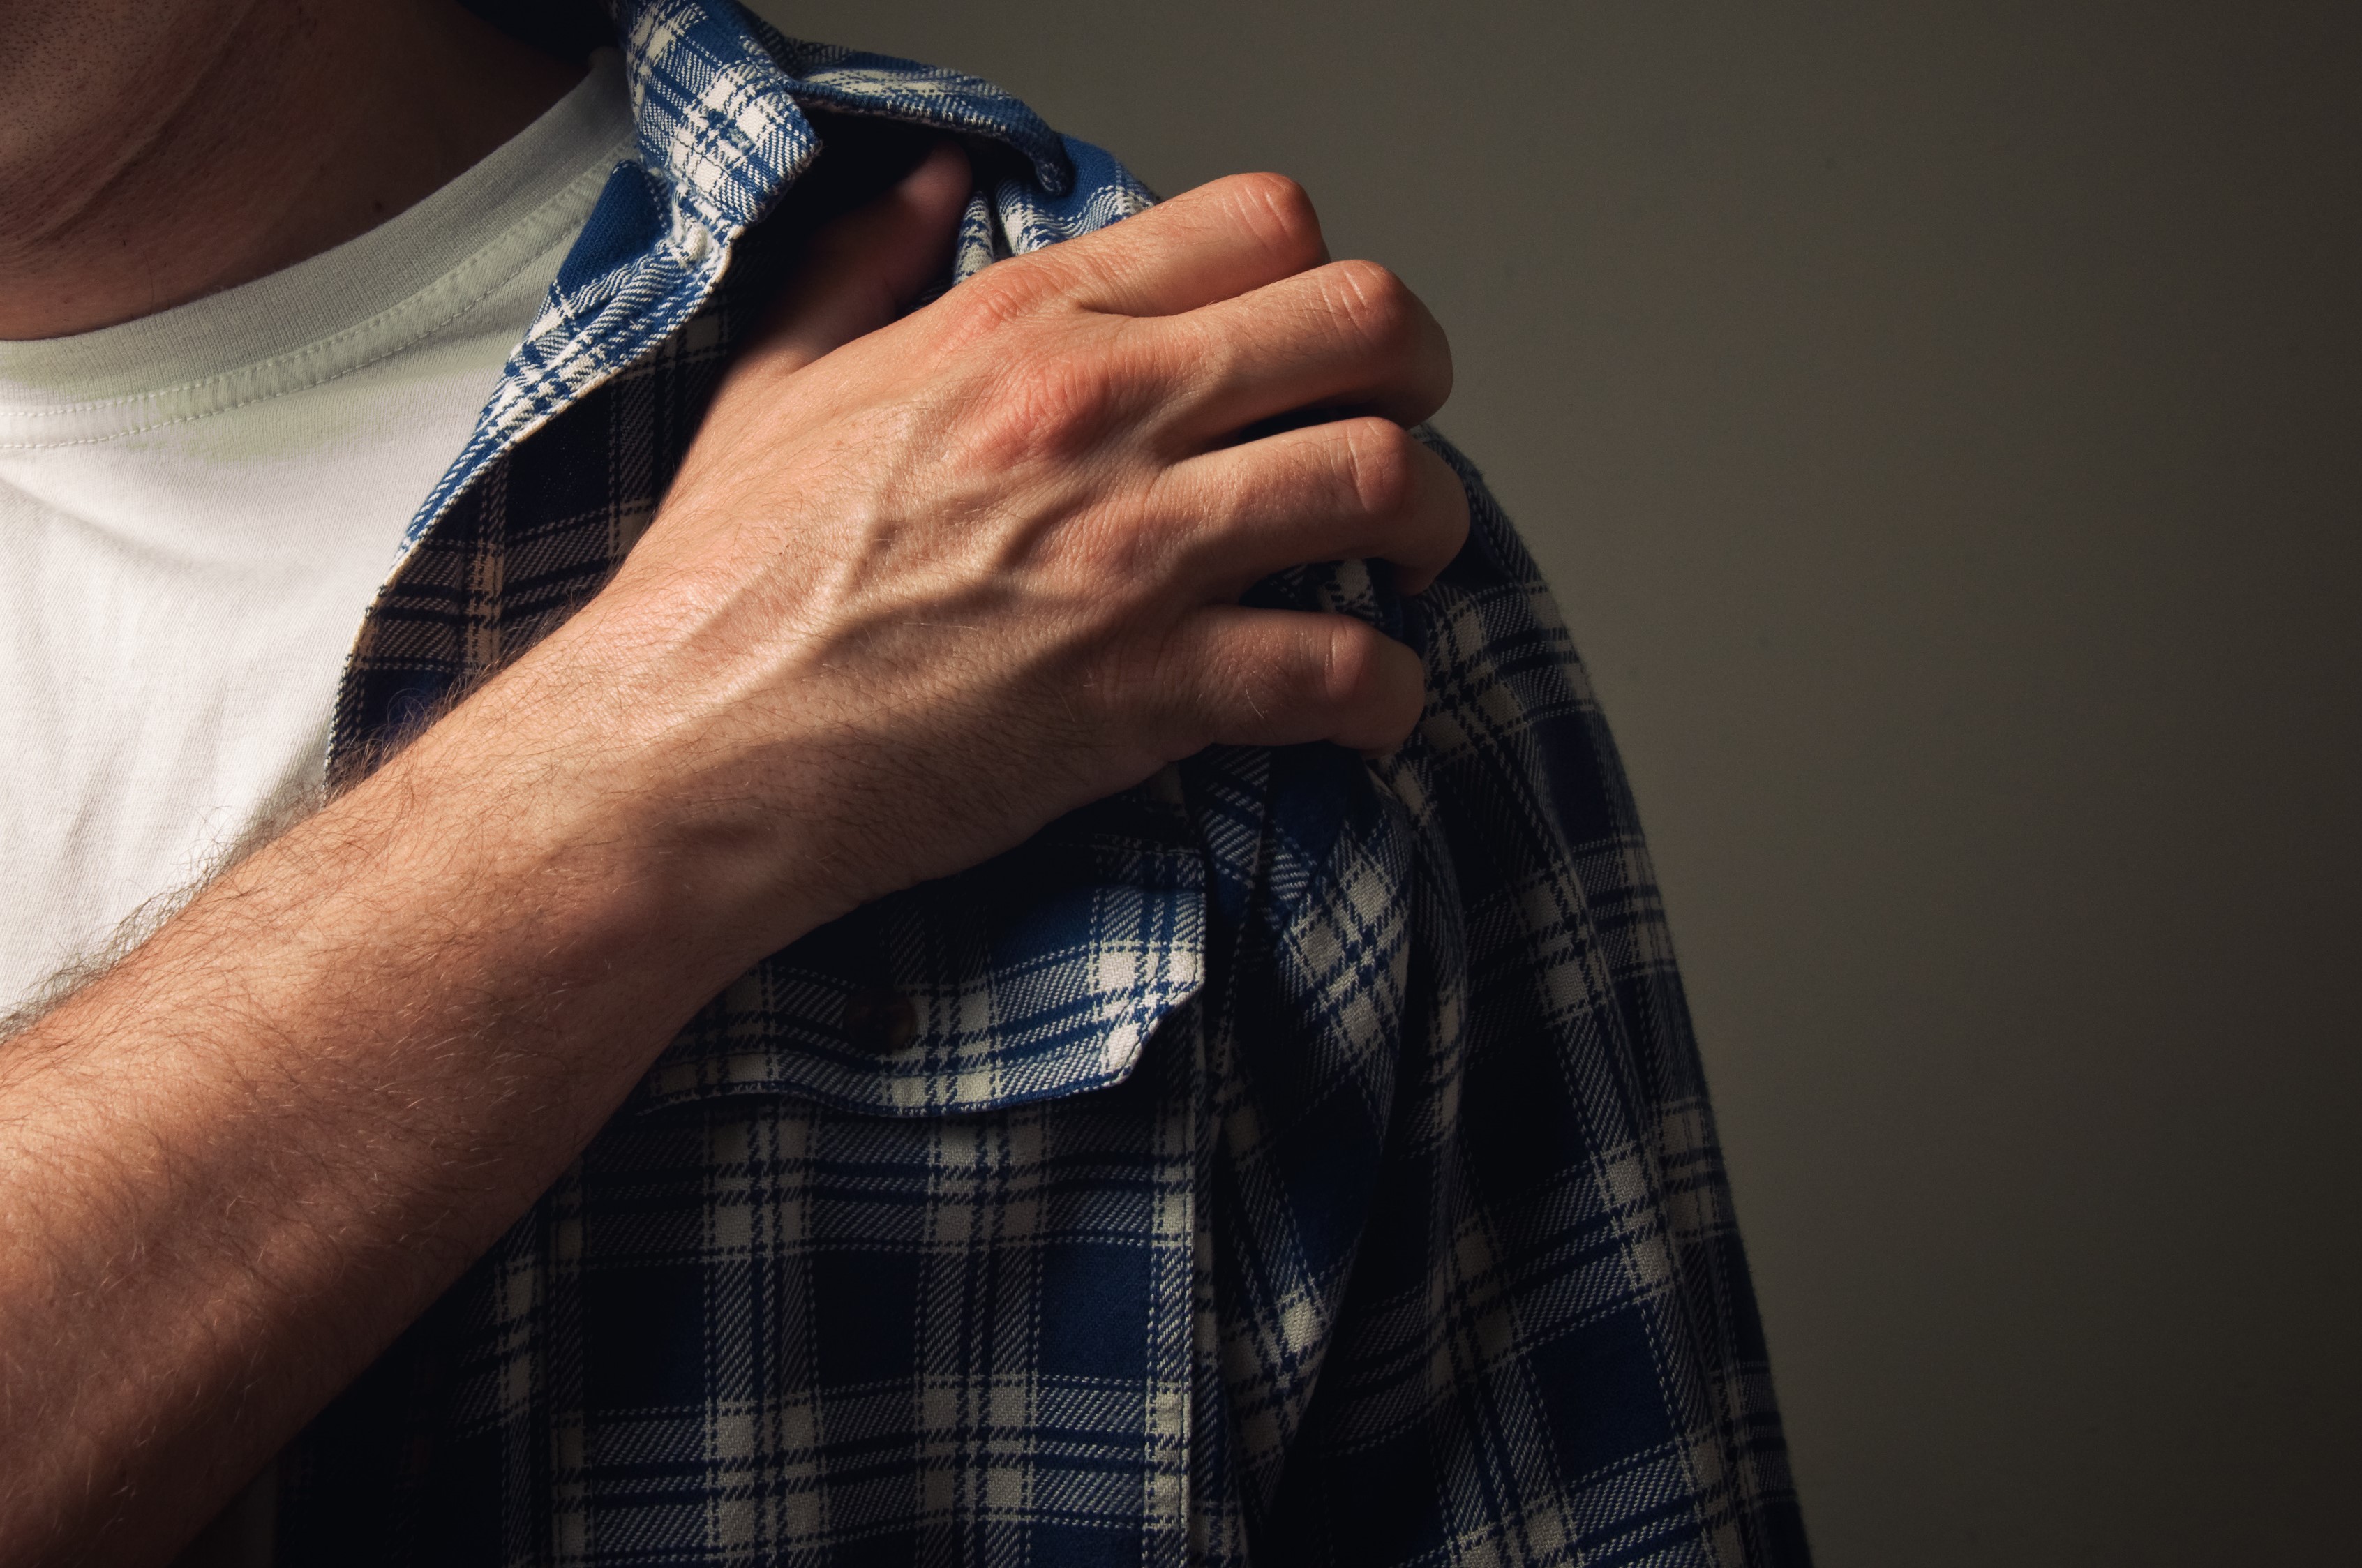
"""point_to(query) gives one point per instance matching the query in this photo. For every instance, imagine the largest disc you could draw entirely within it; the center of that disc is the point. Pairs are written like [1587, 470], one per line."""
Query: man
[890, 971]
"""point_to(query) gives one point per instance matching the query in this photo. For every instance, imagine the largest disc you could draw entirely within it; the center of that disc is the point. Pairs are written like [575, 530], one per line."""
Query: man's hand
[914, 594]
[912, 597]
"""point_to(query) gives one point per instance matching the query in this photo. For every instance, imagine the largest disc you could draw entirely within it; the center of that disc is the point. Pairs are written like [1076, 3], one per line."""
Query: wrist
[596, 838]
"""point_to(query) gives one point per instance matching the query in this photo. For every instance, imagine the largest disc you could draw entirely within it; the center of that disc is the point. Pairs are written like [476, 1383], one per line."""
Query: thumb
[861, 269]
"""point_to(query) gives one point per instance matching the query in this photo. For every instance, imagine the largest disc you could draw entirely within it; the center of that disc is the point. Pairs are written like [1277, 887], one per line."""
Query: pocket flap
[1041, 973]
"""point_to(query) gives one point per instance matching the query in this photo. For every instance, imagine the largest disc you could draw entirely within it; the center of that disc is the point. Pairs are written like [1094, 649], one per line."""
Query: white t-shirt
[197, 507]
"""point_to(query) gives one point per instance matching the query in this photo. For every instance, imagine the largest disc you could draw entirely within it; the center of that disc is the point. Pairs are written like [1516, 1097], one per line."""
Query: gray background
[1939, 423]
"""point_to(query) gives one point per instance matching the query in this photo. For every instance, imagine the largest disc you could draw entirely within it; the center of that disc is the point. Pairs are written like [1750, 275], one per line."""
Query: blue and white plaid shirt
[1299, 1159]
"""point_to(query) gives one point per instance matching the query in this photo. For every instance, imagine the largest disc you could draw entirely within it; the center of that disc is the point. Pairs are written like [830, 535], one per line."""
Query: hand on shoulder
[923, 585]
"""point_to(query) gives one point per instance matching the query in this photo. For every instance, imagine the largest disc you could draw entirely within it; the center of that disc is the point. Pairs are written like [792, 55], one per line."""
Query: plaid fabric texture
[1295, 1160]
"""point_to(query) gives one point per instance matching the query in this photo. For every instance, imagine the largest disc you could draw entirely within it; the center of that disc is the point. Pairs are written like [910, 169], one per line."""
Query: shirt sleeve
[1474, 1277]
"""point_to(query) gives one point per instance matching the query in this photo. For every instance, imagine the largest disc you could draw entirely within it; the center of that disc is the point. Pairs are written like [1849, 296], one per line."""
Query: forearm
[233, 1168]
[908, 601]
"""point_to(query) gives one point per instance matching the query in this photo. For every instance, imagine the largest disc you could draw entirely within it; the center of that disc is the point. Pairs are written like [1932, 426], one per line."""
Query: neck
[154, 151]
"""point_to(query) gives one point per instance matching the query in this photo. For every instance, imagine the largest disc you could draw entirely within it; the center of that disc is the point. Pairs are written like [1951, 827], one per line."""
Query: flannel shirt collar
[719, 97]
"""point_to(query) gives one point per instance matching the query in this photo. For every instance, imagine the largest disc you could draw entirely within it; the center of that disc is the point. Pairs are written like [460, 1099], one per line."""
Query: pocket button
[880, 1021]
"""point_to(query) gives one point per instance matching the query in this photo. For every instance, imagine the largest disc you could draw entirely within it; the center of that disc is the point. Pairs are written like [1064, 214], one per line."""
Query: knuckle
[1000, 296]
[1381, 465]
[1375, 303]
[1054, 404]
[1369, 685]
[1352, 659]
[1281, 211]
[1068, 392]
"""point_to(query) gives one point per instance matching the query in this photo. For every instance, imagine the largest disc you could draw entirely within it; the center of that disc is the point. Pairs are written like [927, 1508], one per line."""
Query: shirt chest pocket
[1040, 974]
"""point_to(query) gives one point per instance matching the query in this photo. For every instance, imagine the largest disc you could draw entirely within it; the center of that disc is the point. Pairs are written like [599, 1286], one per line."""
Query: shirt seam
[318, 347]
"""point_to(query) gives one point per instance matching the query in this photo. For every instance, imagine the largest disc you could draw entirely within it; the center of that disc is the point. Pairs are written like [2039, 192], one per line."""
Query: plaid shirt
[1298, 1159]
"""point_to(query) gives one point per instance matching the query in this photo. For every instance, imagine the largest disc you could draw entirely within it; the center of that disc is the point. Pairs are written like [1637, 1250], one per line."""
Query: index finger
[1212, 243]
